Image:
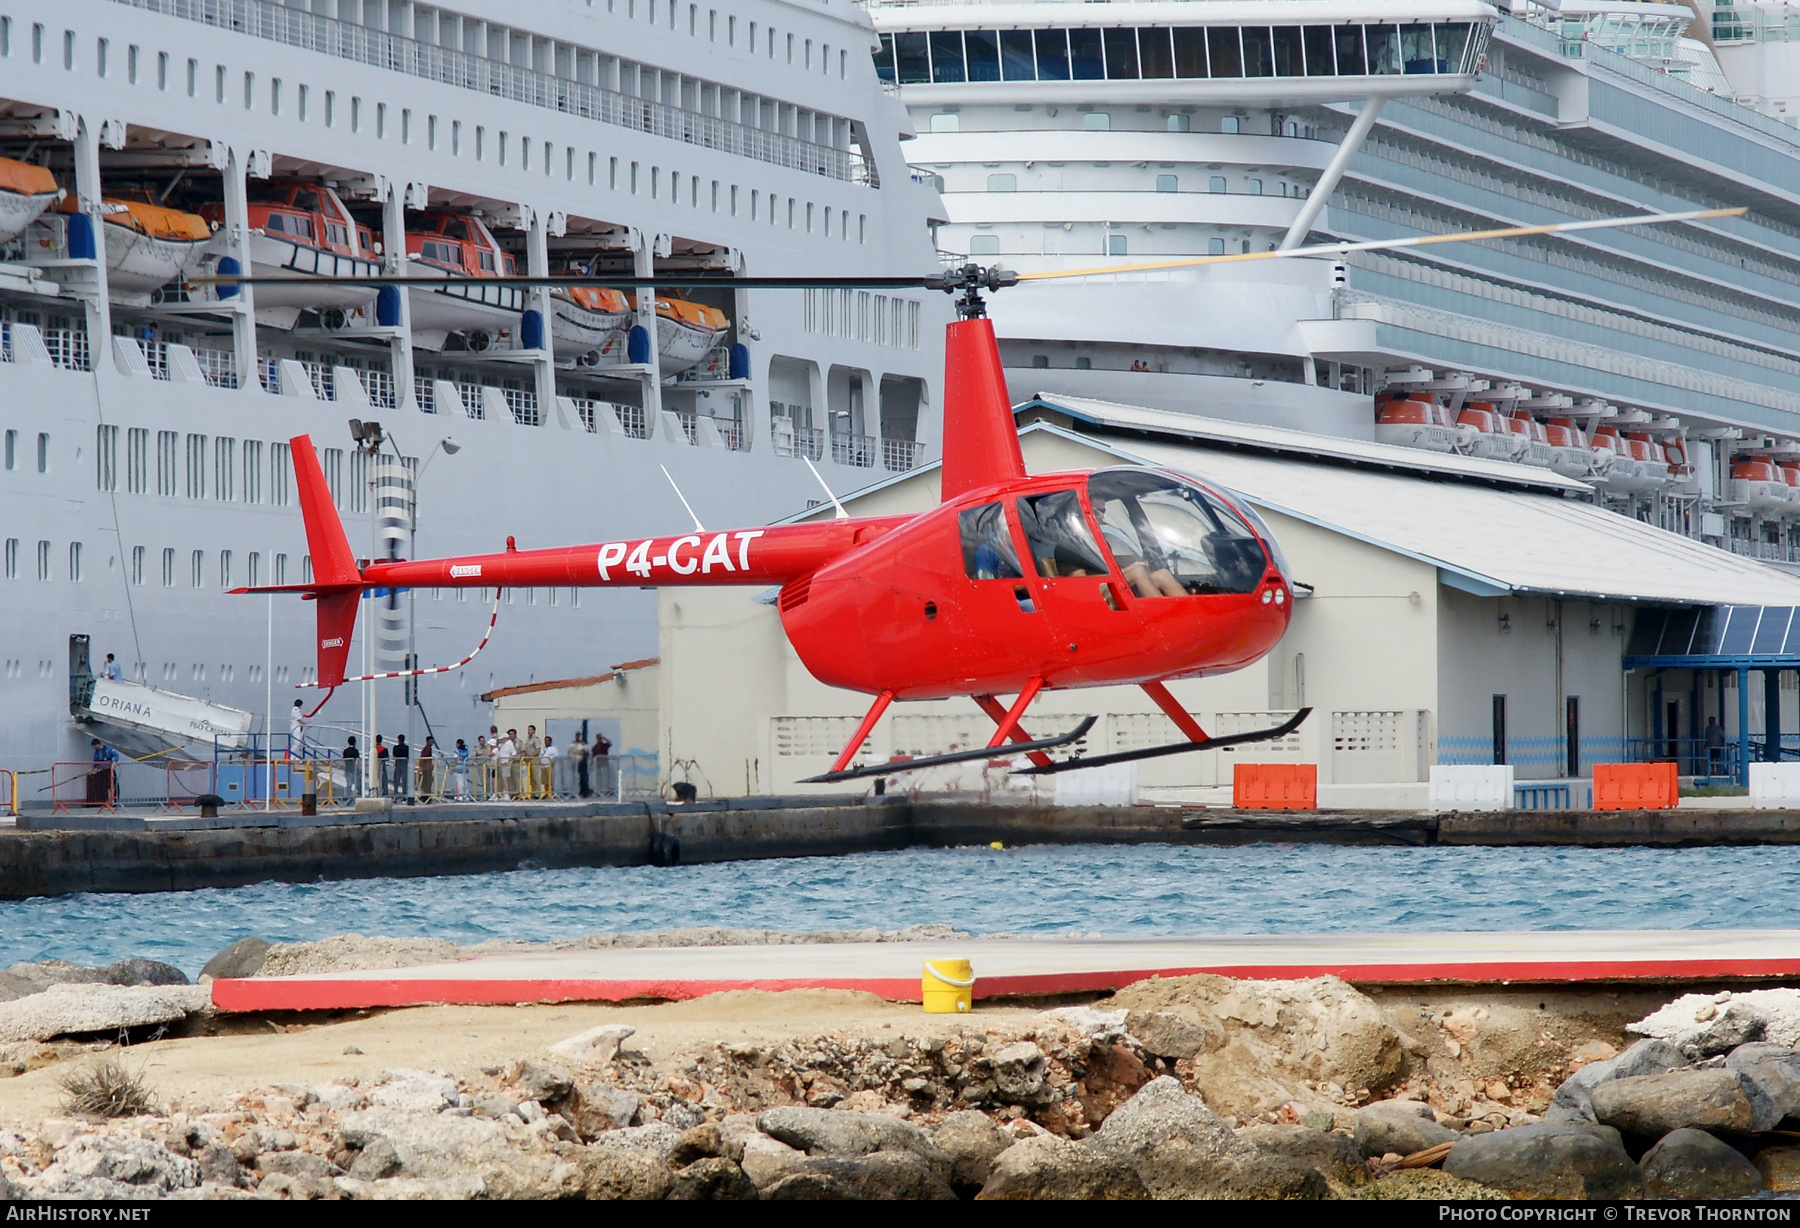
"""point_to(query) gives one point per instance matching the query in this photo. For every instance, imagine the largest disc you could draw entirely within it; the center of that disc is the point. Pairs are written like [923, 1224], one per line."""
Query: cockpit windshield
[1173, 539]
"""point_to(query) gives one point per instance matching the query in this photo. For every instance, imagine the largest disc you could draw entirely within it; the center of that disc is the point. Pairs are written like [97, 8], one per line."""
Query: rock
[703, 1142]
[77, 1009]
[1573, 1100]
[596, 1045]
[657, 1140]
[888, 1176]
[1102, 1026]
[297, 1164]
[10, 1192]
[542, 1082]
[1694, 1164]
[1548, 1162]
[1775, 1069]
[971, 1141]
[1176, 1034]
[1780, 1168]
[494, 1104]
[835, 1132]
[242, 958]
[411, 1189]
[303, 1188]
[12, 987]
[1401, 1126]
[143, 972]
[712, 1179]
[219, 1167]
[768, 1160]
[631, 1173]
[414, 1091]
[1264, 1176]
[1679, 1022]
[1332, 1154]
[1176, 1144]
[377, 1159]
[135, 1163]
[1019, 1071]
[1049, 1167]
[1650, 1106]
[1589, 1052]
[47, 972]
[1427, 1185]
[598, 1107]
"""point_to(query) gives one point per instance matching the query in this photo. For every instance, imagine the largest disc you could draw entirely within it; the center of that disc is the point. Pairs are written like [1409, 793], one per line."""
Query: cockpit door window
[987, 544]
[1057, 531]
[1173, 539]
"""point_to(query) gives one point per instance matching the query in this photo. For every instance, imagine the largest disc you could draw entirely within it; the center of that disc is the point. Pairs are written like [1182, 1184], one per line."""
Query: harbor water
[1112, 890]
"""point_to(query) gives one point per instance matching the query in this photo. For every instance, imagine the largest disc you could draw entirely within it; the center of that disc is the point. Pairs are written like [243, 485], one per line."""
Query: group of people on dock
[500, 766]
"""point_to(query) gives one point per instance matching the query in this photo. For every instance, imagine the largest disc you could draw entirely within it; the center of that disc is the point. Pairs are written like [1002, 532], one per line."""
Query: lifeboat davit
[452, 244]
[1790, 473]
[590, 323]
[1537, 441]
[147, 245]
[1638, 466]
[1487, 435]
[685, 331]
[1759, 485]
[1570, 453]
[304, 230]
[1412, 422]
[1675, 451]
[25, 192]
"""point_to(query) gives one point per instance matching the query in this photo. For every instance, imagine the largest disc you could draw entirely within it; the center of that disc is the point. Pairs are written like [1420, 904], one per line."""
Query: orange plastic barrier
[1635, 786]
[1275, 786]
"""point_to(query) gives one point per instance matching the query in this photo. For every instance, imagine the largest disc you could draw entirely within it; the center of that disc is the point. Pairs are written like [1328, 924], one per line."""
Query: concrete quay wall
[59, 855]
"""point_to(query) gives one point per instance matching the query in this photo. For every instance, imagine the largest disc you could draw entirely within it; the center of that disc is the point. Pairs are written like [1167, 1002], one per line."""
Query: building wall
[1480, 657]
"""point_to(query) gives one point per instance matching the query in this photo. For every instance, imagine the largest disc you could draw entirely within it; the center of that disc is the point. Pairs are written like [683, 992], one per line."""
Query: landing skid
[960, 756]
[1131, 756]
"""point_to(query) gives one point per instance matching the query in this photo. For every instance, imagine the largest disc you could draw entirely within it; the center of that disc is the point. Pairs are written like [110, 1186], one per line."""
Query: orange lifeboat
[1412, 422]
[1537, 441]
[1760, 486]
[25, 192]
[1488, 436]
[460, 245]
[590, 322]
[297, 230]
[1634, 470]
[1570, 453]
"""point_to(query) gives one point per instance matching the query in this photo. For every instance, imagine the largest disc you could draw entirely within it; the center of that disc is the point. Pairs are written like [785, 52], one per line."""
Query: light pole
[368, 438]
[449, 447]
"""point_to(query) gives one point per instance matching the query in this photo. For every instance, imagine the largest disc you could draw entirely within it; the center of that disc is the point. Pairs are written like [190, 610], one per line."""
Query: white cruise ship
[1661, 365]
[146, 414]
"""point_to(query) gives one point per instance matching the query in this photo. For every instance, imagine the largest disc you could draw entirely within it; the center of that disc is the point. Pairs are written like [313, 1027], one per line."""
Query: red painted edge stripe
[280, 994]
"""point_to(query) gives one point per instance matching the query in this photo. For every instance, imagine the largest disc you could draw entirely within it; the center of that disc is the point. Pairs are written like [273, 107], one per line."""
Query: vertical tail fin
[332, 559]
[336, 579]
[981, 441]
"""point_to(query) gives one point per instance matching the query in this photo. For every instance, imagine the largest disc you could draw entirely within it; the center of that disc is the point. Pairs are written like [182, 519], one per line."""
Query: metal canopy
[1715, 637]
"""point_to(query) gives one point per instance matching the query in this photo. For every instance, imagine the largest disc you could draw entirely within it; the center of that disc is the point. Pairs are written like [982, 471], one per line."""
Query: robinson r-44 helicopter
[1013, 585]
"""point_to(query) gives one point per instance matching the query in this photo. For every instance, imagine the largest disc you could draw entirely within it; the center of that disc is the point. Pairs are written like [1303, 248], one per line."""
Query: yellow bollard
[948, 986]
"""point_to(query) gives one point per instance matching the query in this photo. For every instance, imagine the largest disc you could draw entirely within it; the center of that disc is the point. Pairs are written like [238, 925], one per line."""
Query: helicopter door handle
[1022, 595]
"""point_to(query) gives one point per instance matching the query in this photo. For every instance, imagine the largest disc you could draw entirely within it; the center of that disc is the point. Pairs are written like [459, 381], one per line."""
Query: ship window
[12, 558]
[280, 574]
[253, 571]
[1254, 186]
[1003, 183]
[912, 59]
[1190, 51]
[75, 562]
[1168, 183]
[1259, 55]
[987, 545]
[1288, 58]
[1097, 121]
[1225, 56]
[1052, 55]
[1121, 54]
[275, 96]
[1319, 62]
[1453, 46]
[249, 91]
[43, 452]
[137, 565]
[1230, 124]
[947, 55]
[487, 261]
[1115, 245]
[1216, 183]
[984, 245]
[1172, 539]
[1418, 52]
[1215, 247]
[162, 70]
[197, 569]
[1384, 49]
[276, 223]
[301, 95]
[946, 121]
[43, 560]
[1084, 364]
[1016, 59]
[1178, 123]
[1062, 543]
[168, 567]
[983, 53]
[12, 449]
[1154, 53]
[1087, 60]
[224, 569]
[1349, 40]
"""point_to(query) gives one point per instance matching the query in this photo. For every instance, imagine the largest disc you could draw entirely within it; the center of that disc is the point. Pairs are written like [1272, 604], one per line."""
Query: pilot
[1145, 580]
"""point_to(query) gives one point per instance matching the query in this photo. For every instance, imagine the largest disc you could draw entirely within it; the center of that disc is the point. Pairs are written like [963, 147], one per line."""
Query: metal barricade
[186, 780]
[9, 791]
[83, 785]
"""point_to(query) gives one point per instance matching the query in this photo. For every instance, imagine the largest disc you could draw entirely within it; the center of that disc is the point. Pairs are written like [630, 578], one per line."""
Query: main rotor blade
[956, 756]
[664, 281]
[1175, 748]
[1339, 249]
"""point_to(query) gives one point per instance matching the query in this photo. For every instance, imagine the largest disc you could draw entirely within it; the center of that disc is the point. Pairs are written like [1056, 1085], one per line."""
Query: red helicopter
[1012, 585]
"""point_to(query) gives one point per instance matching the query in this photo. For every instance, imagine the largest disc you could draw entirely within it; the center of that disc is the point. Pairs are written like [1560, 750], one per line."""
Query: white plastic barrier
[1472, 787]
[1116, 784]
[1775, 786]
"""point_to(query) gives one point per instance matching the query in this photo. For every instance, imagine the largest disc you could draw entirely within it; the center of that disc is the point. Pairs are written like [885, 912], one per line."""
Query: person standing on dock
[103, 779]
[578, 755]
[382, 783]
[504, 754]
[427, 769]
[602, 765]
[297, 732]
[547, 768]
[402, 767]
[459, 772]
[530, 766]
[352, 758]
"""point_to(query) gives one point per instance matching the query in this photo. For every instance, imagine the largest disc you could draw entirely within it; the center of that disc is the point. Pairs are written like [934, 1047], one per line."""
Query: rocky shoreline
[1191, 1087]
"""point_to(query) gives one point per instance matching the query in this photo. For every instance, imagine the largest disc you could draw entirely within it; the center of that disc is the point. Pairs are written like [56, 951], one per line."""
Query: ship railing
[9, 792]
[855, 450]
[156, 357]
[379, 385]
[360, 44]
[632, 418]
[900, 455]
[320, 375]
[68, 348]
[471, 400]
[423, 394]
[730, 430]
[218, 366]
[524, 406]
[801, 441]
